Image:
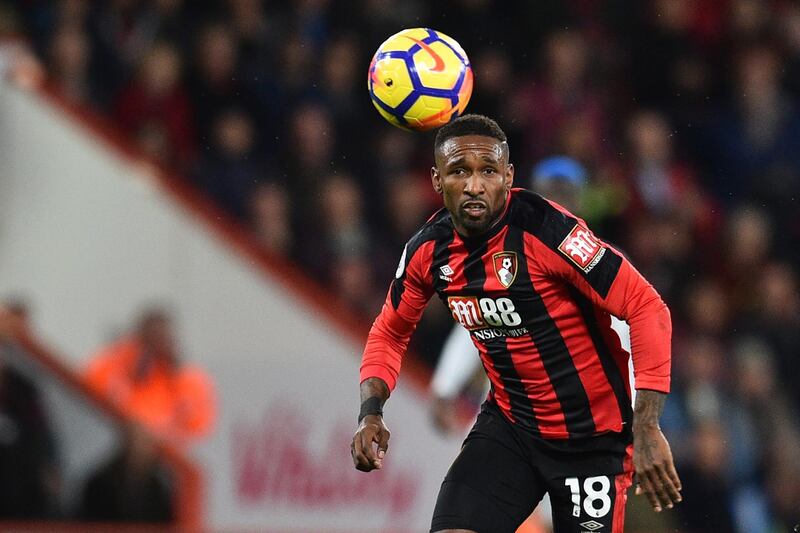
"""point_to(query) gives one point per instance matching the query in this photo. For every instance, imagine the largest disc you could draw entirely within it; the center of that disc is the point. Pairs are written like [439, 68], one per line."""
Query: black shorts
[503, 472]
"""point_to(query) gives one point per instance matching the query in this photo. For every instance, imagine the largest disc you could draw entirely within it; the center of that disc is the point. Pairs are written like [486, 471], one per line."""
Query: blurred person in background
[756, 138]
[341, 230]
[658, 184]
[166, 400]
[69, 64]
[214, 85]
[708, 496]
[132, 486]
[271, 219]
[562, 111]
[30, 480]
[746, 247]
[143, 375]
[155, 109]
[230, 168]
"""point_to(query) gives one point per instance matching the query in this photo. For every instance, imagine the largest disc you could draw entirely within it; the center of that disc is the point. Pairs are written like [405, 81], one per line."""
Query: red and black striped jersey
[537, 292]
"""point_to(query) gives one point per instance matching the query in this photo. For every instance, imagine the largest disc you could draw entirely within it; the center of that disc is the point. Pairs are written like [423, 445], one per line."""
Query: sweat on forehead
[455, 147]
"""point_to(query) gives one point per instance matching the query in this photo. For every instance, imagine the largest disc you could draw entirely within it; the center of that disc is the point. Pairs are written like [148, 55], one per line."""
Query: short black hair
[471, 124]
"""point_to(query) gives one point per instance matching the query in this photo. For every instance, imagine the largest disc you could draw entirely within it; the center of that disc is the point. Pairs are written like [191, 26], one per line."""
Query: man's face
[158, 339]
[474, 176]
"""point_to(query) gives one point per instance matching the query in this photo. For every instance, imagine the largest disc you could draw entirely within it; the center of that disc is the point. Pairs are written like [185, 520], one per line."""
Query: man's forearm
[374, 393]
[648, 408]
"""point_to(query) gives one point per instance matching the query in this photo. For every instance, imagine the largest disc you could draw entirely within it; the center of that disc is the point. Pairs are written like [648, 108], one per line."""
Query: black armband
[370, 406]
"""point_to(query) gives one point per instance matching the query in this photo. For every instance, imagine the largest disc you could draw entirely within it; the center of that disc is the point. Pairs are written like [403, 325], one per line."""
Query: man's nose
[474, 185]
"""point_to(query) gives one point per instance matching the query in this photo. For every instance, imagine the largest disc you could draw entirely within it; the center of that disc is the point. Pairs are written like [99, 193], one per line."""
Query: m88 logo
[474, 313]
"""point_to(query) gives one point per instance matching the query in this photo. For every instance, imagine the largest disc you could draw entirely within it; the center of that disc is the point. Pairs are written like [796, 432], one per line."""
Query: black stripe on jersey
[612, 371]
[435, 228]
[441, 257]
[536, 216]
[497, 348]
[551, 346]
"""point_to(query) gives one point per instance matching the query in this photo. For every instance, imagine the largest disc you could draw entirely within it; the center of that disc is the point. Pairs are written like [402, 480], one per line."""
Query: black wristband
[370, 406]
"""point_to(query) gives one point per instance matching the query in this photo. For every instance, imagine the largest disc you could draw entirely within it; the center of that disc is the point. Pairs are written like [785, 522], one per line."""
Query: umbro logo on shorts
[591, 525]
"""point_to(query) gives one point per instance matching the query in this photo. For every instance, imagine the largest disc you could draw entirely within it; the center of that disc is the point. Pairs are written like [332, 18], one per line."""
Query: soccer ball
[420, 79]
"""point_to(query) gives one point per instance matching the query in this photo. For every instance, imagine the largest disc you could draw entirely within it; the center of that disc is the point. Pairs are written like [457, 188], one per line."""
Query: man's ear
[509, 181]
[436, 180]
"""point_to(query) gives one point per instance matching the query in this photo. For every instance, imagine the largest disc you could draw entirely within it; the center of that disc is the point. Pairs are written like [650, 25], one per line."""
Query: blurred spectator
[562, 180]
[310, 155]
[143, 374]
[215, 85]
[562, 112]
[69, 64]
[29, 472]
[341, 224]
[658, 184]
[230, 170]
[155, 109]
[131, 487]
[272, 223]
[757, 138]
[707, 495]
[748, 241]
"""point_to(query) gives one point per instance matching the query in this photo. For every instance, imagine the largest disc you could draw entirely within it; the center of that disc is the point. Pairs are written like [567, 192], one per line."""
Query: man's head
[472, 172]
[561, 179]
[156, 335]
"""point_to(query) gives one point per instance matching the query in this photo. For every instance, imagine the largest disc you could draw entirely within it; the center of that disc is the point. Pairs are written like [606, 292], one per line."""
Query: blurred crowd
[687, 115]
[161, 402]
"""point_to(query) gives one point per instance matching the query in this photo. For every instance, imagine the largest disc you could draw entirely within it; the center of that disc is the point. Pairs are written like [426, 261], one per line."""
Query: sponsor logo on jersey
[478, 313]
[446, 272]
[582, 248]
[591, 525]
[466, 311]
[505, 267]
[494, 333]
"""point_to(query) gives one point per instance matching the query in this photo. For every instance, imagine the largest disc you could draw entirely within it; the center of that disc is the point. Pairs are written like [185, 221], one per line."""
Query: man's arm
[610, 282]
[371, 429]
[386, 345]
[656, 476]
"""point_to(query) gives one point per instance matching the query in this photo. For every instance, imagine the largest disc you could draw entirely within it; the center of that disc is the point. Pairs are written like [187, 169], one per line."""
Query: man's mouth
[474, 208]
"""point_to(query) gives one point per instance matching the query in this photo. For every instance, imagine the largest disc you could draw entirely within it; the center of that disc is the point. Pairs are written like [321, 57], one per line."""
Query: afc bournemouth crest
[505, 267]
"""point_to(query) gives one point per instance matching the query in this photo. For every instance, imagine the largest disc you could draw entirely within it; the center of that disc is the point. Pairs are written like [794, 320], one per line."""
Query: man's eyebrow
[458, 161]
[490, 159]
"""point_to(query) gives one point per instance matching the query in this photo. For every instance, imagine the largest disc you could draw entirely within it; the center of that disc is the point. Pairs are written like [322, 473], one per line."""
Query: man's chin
[475, 227]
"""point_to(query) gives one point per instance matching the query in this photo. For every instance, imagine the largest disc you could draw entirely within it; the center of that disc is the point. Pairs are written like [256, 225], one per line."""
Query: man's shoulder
[438, 226]
[549, 222]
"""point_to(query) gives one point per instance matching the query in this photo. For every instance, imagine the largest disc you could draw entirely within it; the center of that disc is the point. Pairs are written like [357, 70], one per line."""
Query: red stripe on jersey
[621, 483]
[546, 407]
[567, 316]
[500, 394]
[527, 361]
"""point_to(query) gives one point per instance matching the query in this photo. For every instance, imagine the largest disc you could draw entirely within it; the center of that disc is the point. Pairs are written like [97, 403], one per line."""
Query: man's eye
[458, 171]
[489, 170]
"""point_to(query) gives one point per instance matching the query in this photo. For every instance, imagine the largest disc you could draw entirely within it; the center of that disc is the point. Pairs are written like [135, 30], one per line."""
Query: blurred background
[200, 212]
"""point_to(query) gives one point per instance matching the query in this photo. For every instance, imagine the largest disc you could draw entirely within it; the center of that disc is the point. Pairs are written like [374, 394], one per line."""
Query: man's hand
[656, 477]
[370, 430]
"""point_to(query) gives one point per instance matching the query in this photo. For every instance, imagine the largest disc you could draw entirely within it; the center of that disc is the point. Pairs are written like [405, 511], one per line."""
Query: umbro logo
[446, 272]
[591, 525]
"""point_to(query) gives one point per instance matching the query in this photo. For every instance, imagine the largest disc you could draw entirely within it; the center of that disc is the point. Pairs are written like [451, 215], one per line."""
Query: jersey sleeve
[610, 281]
[408, 294]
